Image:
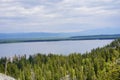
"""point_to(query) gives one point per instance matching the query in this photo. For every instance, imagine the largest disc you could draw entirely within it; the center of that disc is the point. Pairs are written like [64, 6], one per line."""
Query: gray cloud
[58, 15]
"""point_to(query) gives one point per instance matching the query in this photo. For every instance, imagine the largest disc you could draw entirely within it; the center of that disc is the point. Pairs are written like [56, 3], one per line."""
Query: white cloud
[87, 14]
[7, 0]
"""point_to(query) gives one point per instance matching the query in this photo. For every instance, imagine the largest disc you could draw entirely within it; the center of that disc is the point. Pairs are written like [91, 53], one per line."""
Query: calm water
[56, 47]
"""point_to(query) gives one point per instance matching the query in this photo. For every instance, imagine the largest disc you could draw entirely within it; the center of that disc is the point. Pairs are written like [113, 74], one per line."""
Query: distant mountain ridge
[46, 35]
[89, 37]
[30, 35]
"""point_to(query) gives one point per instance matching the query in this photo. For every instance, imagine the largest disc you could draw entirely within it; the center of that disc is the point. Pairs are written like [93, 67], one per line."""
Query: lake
[55, 47]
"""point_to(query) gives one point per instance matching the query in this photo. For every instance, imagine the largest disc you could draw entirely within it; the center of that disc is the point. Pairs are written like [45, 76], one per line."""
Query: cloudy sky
[58, 15]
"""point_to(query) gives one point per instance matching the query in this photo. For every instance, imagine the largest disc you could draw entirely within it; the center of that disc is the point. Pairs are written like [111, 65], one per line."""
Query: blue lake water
[55, 47]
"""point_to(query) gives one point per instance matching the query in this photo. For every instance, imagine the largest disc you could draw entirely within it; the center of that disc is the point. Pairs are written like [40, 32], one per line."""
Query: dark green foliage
[99, 64]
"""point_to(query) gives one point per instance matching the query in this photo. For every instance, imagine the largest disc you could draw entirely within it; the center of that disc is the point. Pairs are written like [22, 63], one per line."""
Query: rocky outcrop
[5, 77]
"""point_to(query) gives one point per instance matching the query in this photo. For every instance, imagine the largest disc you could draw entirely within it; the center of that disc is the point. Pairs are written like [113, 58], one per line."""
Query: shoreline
[49, 40]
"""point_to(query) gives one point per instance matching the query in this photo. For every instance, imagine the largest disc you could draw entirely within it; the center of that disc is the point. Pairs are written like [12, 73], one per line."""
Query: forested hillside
[99, 64]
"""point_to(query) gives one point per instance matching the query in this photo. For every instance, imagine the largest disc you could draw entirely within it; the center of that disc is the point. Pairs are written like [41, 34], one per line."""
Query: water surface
[55, 47]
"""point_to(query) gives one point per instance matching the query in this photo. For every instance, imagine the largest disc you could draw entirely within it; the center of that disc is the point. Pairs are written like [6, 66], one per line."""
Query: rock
[67, 77]
[5, 77]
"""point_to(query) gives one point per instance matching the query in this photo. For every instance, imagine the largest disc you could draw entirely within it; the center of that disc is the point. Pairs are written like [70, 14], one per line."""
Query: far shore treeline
[99, 64]
[27, 37]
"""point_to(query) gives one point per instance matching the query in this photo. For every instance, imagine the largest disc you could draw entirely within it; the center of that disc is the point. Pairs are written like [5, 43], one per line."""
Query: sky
[18, 16]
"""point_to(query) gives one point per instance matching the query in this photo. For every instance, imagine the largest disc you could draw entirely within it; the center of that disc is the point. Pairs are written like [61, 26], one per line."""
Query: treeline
[99, 64]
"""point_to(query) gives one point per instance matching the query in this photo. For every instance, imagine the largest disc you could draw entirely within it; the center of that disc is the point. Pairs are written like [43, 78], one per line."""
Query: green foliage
[99, 64]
